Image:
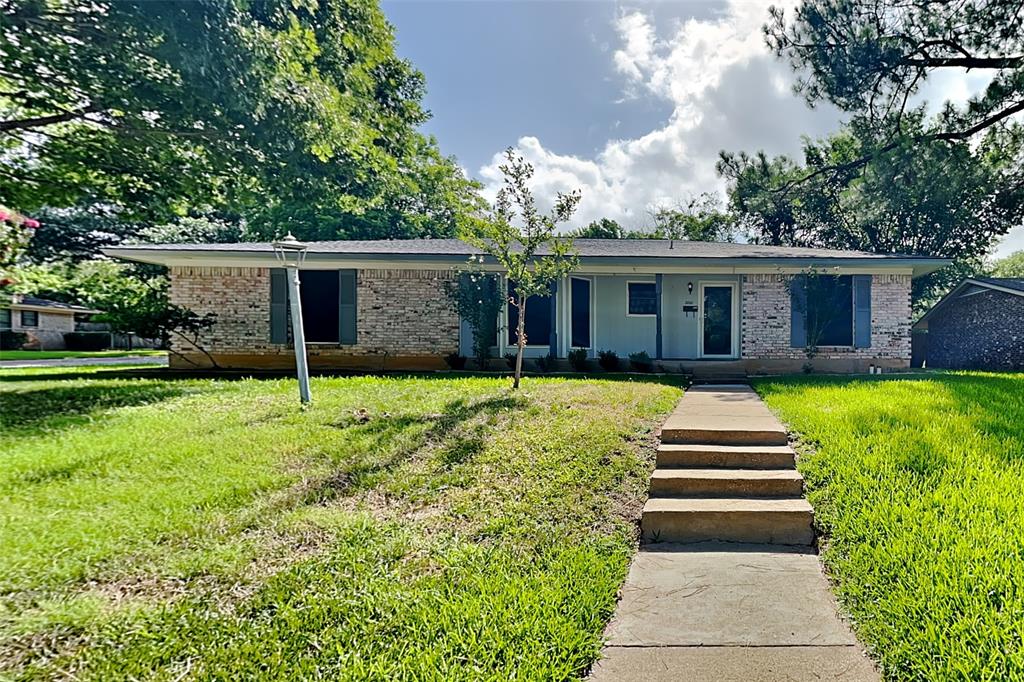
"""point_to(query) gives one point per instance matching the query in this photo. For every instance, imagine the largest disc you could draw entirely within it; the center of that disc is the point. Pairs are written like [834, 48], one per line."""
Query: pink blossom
[31, 222]
[4, 215]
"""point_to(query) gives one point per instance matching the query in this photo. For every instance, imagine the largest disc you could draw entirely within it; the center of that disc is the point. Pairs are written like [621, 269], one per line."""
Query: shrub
[86, 340]
[641, 362]
[578, 359]
[11, 340]
[608, 359]
[546, 363]
[510, 358]
[455, 361]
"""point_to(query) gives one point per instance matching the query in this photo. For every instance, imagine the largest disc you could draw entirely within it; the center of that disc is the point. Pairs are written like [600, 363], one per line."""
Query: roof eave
[919, 266]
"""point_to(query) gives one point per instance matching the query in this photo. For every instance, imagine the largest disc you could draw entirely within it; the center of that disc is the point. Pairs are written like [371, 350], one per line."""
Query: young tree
[522, 240]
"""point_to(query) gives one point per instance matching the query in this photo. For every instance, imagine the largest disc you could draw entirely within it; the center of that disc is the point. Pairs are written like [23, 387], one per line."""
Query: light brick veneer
[400, 314]
[766, 320]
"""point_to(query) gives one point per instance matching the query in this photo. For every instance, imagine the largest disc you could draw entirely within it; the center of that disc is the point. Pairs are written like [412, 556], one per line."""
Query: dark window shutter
[798, 312]
[347, 306]
[278, 305]
[862, 311]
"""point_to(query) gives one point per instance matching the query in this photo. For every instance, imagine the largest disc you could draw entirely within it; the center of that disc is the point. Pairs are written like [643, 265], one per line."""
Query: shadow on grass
[457, 439]
[62, 406]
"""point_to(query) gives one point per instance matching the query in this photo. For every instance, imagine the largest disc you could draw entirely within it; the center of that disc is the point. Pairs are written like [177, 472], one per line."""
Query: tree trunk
[520, 341]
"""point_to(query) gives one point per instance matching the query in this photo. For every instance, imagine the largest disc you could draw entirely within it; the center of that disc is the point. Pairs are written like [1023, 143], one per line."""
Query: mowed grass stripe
[918, 484]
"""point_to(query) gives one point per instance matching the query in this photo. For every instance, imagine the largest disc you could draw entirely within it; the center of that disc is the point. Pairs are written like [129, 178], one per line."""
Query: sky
[629, 102]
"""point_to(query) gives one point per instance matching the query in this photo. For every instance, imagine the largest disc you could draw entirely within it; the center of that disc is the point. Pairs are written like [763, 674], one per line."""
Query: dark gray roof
[1006, 282]
[586, 248]
[47, 303]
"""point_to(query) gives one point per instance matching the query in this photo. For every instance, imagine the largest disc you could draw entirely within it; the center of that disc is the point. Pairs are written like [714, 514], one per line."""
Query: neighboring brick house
[382, 304]
[978, 325]
[44, 322]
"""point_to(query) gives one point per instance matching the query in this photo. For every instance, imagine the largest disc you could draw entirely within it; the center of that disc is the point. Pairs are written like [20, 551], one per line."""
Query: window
[328, 306]
[580, 313]
[830, 310]
[643, 298]
[29, 318]
[5, 318]
[537, 325]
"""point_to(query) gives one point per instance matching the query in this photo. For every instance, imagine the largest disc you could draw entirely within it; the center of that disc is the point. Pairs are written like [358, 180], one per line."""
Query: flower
[31, 222]
[4, 215]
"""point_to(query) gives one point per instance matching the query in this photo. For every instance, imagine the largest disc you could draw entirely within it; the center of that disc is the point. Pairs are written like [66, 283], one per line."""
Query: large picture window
[537, 324]
[643, 298]
[830, 310]
[320, 291]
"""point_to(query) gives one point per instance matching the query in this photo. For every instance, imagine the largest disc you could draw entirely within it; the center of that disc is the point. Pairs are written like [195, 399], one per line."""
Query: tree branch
[41, 121]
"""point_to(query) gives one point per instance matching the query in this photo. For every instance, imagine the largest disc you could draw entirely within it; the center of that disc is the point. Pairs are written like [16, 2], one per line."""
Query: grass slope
[919, 486]
[436, 528]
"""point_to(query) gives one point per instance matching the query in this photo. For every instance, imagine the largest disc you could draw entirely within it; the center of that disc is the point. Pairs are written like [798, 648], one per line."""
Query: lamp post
[291, 253]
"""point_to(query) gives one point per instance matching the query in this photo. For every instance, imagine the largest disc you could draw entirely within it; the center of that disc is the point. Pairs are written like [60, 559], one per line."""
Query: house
[977, 325]
[44, 322]
[381, 304]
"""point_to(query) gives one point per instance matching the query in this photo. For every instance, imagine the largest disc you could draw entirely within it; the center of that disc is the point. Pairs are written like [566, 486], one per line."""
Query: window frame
[651, 283]
[10, 318]
[32, 325]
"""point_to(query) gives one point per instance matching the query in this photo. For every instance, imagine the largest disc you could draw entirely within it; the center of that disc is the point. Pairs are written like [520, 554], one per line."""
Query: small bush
[608, 359]
[455, 361]
[641, 362]
[578, 359]
[11, 340]
[546, 363]
[86, 340]
[510, 358]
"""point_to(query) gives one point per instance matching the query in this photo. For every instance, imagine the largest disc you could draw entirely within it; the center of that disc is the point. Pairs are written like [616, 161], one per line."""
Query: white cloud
[727, 91]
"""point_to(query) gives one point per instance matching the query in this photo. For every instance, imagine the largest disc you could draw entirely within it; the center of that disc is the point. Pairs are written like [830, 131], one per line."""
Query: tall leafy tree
[1011, 266]
[942, 198]
[869, 57]
[281, 112]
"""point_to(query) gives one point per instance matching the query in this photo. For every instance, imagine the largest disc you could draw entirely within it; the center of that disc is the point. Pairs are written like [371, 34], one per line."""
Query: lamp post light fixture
[291, 253]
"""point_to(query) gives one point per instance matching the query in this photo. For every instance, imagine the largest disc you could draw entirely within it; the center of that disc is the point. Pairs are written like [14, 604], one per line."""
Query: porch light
[689, 287]
[291, 253]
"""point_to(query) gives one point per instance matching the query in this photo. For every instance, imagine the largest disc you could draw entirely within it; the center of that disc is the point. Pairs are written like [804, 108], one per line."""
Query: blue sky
[630, 102]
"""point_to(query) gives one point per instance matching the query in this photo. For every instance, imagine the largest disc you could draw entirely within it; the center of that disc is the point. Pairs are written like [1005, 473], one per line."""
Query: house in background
[44, 322]
[689, 305]
[978, 325]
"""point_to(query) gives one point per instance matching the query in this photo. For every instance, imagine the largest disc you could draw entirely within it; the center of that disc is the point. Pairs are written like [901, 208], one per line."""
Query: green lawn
[412, 527]
[919, 485]
[59, 354]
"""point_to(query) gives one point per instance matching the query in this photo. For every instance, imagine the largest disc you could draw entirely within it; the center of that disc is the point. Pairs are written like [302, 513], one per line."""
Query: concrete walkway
[158, 360]
[727, 611]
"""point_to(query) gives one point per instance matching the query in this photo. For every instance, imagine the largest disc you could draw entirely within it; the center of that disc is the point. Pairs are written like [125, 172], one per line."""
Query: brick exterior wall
[980, 331]
[400, 313]
[765, 322]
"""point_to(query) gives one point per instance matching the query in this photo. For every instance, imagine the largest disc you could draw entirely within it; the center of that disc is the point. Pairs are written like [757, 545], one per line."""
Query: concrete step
[725, 456]
[725, 430]
[765, 521]
[726, 483]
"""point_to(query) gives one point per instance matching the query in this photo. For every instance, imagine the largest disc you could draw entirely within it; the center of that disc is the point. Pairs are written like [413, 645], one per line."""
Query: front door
[718, 320]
